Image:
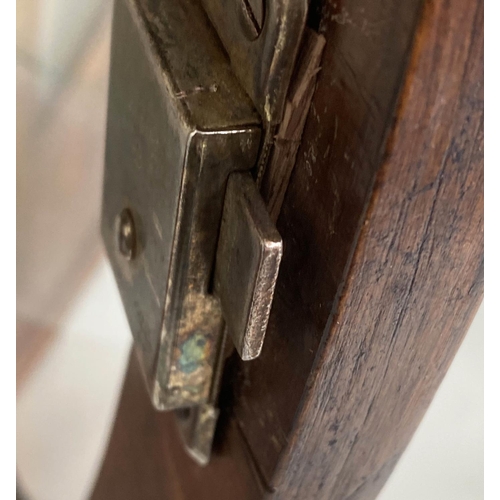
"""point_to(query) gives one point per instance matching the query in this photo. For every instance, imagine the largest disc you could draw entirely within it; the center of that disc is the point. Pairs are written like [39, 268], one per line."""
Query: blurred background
[72, 336]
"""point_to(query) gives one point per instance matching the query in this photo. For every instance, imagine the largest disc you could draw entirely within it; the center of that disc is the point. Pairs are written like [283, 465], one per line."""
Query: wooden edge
[413, 284]
[146, 459]
[416, 278]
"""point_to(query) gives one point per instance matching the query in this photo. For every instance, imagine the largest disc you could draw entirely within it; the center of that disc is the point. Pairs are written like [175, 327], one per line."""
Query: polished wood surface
[382, 272]
[146, 459]
[416, 279]
[368, 44]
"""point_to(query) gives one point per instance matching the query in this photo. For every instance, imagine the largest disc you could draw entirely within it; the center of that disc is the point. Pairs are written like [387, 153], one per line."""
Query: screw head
[126, 234]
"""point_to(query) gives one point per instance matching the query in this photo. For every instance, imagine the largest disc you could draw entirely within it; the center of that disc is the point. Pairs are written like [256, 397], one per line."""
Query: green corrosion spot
[192, 353]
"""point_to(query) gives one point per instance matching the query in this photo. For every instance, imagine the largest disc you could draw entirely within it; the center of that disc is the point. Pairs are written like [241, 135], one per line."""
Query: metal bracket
[194, 252]
[262, 39]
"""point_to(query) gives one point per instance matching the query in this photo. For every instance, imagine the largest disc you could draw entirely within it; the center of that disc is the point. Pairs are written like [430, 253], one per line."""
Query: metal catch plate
[178, 124]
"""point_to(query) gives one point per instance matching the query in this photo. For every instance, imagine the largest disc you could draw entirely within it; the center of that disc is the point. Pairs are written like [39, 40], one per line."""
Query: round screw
[126, 234]
[252, 17]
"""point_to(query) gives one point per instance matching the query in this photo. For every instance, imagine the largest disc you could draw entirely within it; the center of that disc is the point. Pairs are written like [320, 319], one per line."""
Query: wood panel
[146, 459]
[343, 144]
[416, 279]
[382, 270]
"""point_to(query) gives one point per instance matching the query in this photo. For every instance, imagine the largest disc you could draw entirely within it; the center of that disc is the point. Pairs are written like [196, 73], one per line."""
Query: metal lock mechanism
[193, 249]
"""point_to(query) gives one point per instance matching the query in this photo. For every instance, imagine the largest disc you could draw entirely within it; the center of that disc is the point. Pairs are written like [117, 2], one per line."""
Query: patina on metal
[194, 252]
[248, 259]
[178, 124]
[197, 424]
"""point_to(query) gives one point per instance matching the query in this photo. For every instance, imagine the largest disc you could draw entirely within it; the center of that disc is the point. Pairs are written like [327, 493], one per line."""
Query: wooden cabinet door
[382, 273]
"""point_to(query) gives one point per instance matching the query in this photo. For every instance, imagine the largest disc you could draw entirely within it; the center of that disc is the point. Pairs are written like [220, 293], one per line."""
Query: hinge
[194, 251]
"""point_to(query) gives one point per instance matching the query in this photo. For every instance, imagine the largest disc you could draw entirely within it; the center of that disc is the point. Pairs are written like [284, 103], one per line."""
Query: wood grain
[146, 460]
[288, 137]
[416, 279]
[368, 45]
[381, 275]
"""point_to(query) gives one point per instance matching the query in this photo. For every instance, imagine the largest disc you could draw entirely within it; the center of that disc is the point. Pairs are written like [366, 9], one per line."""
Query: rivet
[126, 234]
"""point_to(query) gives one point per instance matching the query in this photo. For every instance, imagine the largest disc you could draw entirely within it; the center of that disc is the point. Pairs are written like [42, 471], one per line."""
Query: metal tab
[178, 124]
[248, 259]
[197, 424]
